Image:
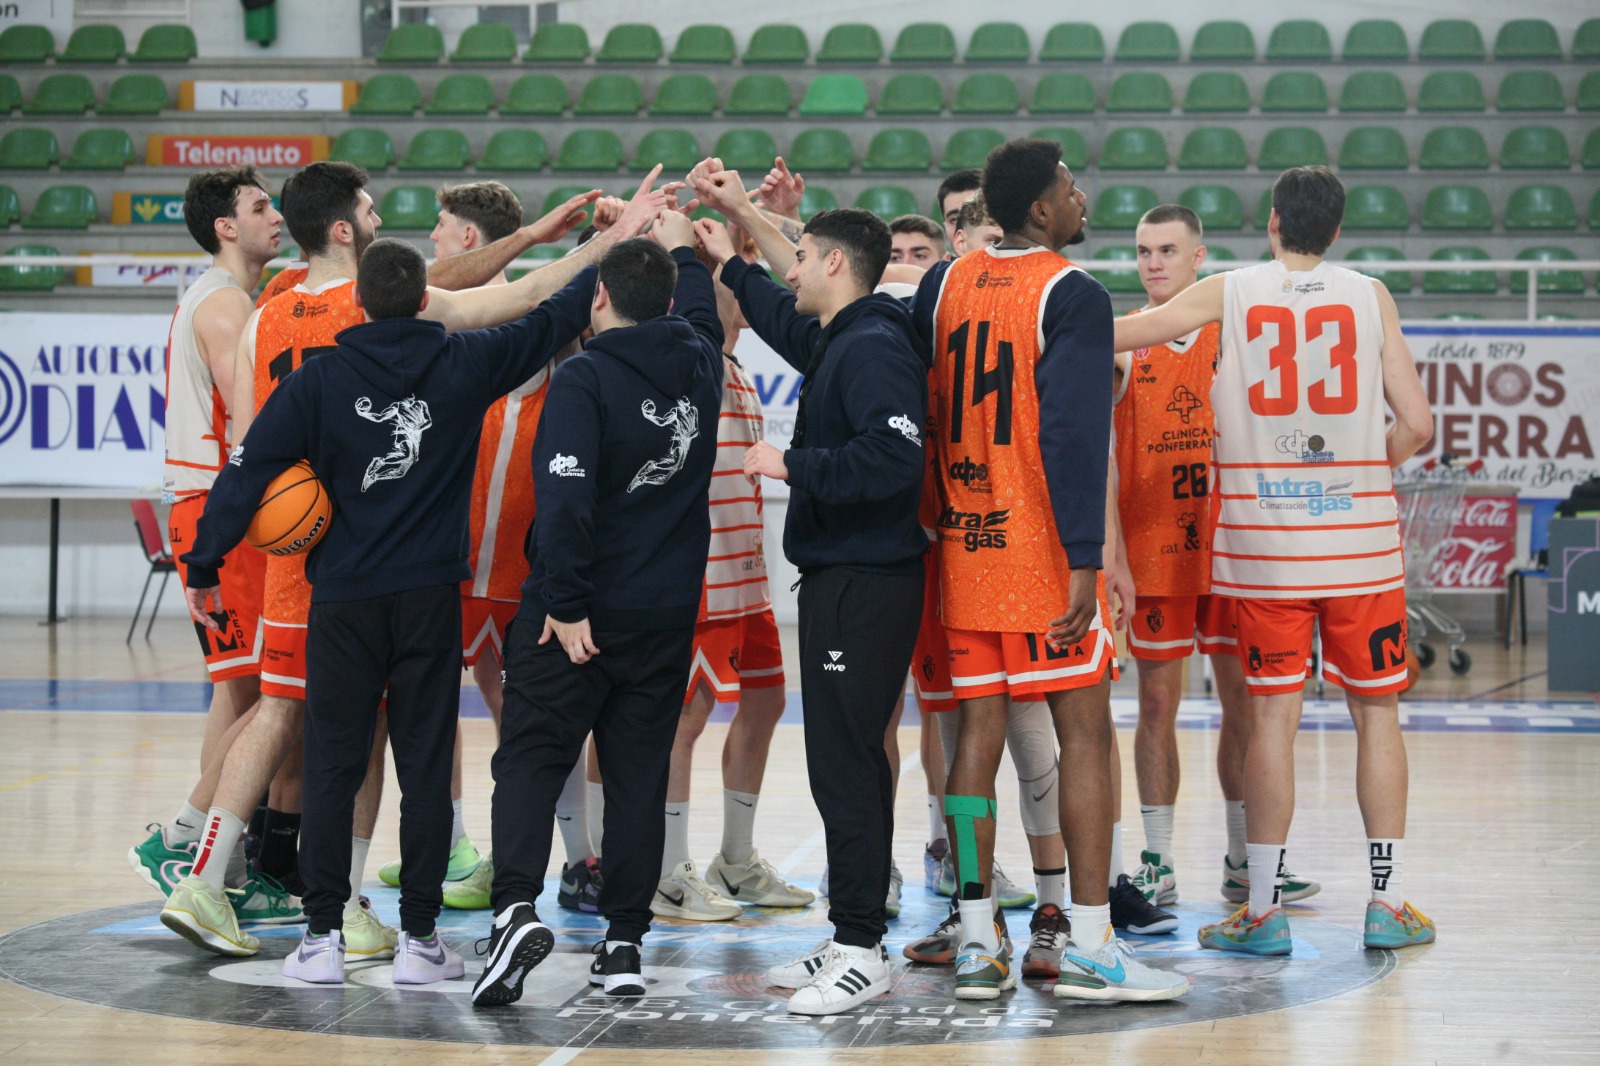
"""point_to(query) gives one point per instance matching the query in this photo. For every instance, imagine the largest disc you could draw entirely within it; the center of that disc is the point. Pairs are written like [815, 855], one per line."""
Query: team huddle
[988, 474]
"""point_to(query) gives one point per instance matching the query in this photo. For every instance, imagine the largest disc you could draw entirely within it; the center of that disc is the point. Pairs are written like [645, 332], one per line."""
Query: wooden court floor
[1502, 854]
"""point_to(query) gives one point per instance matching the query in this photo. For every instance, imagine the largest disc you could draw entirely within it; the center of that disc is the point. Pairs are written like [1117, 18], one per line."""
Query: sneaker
[1048, 934]
[263, 901]
[1131, 911]
[158, 865]
[518, 942]
[851, 977]
[616, 968]
[424, 960]
[934, 858]
[984, 974]
[579, 887]
[1236, 884]
[802, 969]
[1112, 973]
[318, 959]
[1390, 928]
[756, 882]
[684, 894]
[1155, 879]
[464, 859]
[897, 881]
[939, 947]
[472, 892]
[947, 877]
[1008, 895]
[202, 915]
[365, 935]
[1267, 935]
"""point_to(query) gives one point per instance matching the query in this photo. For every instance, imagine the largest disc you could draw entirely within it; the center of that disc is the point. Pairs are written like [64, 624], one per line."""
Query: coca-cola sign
[1481, 544]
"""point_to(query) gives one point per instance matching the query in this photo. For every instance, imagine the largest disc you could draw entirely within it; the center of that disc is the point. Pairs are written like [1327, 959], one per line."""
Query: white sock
[596, 812]
[936, 829]
[676, 848]
[618, 945]
[358, 870]
[1116, 855]
[738, 825]
[977, 923]
[458, 828]
[572, 816]
[1383, 859]
[1266, 877]
[185, 825]
[1091, 926]
[1235, 815]
[1158, 829]
[1051, 885]
[217, 844]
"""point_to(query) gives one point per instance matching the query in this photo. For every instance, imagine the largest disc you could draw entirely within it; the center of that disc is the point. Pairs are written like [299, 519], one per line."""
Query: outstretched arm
[481, 265]
[1180, 316]
[1402, 388]
[723, 190]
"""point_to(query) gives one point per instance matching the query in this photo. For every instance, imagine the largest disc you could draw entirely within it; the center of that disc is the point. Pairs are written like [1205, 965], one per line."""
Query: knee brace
[963, 810]
[1031, 738]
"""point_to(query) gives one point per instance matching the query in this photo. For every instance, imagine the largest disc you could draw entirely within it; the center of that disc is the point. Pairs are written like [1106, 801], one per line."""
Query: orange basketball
[293, 515]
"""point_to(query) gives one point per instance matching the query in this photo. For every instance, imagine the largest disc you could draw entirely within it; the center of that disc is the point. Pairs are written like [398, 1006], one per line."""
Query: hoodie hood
[393, 353]
[876, 305]
[664, 351]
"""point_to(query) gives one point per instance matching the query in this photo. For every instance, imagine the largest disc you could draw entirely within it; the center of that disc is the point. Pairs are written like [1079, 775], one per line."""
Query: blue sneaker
[1403, 928]
[982, 974]
[1112, 973]
[1267, 935]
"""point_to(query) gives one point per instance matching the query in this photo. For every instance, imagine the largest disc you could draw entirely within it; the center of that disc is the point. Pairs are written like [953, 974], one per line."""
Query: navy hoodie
[622, 470]
[855, 481]
[390, 421]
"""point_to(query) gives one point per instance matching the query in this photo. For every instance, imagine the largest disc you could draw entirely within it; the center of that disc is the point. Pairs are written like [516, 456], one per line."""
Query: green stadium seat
[409, 207]
[166, 42]
[1530, 90]
[1594, 211]
[1454, 148]
[1589, 92]
[1375, 207]
[1376, 41]
[10, 94]
[924, 42]
[821, 149]
[1134, 148]
[1299, 41]
[1374, 148]
[888, 201]
[1223, 42]
[26, 44]
[1124, 279]
[412, 42]
[898, 149]
[1120, 207]
[10, 206]
[1218, 206]
[1456, 207]
[1460, 282]
[100, 149]
[1147, 42]
[369, 149]
[387, 94]
[999, 42]
[610, 94]
[1451, 39]
[558, 42]
[759, 94]
[751, 151]
[1554, 282]
[1217, 255]
[1451, 90]
[1591, 150]
[63, 207]
[461, 94]
[1292, 146]
[517, 149]
[970, 148]
[1215, 91]
[815, 199]
[134, 94]
[911, 94]
[94, 44]
[589, 150]
[61, 94]
[778, 43]
[1213, 148]
[534, 258]
[437, 149]
[1527, 39]
[986, 94]
[1264, 215]
[835, 94]
[536, 94]
[560, 195]
[1396, 281]
[1586, 42]
[485, 42]
[1535, 148]
[1073, 42]
[1074, 149]
[1294, 90]
[1540, 207]
[1063, 93]
[685, 94]
[31, 278]
[1372, 90]
[1140, 91]
[676, 150]
[28, 148]
[1459, 316]
[851, 42]
[630, 42]
[704, 44]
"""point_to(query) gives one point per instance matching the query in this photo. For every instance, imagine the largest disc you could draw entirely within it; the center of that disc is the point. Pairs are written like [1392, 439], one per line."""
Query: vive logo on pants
[834, 664]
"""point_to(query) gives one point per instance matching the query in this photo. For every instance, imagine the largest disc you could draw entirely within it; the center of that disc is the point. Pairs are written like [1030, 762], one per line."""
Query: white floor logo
[565, 466]
[834, 664]
[410, 418]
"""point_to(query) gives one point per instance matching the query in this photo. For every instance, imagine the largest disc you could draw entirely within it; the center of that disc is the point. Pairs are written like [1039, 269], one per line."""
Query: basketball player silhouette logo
[684, 421]
[409, 417]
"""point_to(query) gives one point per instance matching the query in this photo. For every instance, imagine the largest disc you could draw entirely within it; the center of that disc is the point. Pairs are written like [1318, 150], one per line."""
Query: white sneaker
[318, 960]
[424, 960]
[1008, 894]
[686, 895]
[851, 977]
[1112, 973]
[756, 883]
[366, 938]
[802, 969]
[891, 906]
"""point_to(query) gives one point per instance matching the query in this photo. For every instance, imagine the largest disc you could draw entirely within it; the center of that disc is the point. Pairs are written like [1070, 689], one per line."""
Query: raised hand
[556, 224]
[607, 210]
[702, 170]
[724, 191]
[640, 213]
[673, 230]
[714, 237]
[781, 190]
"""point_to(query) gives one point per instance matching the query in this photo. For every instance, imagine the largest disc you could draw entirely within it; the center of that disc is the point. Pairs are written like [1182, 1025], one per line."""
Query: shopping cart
[1429, 501]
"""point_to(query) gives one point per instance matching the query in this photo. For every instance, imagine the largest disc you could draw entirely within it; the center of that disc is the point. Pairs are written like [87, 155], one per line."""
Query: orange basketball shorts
[1024, 666]
[483, 628]
[236, 651]
[731, 654]
[1170, 627]
[1363, 642]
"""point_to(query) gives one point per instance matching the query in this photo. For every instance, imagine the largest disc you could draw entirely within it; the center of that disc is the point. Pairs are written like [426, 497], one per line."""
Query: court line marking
[562, 1056]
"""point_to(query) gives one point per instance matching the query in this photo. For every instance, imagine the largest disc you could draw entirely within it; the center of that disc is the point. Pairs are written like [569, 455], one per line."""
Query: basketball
[293, 514]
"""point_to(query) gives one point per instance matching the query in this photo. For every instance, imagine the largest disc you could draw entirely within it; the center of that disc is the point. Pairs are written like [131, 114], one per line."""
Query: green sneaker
[464, 859]
[1236, 884]
[159, 866]
[365, 936]
[472, 892]
[982, 975]
[1155, 879]
[389, 873]
[264, 901]
[201, 915]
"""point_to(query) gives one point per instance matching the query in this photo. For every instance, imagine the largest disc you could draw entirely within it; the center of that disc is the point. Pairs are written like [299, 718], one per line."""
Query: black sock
[258, 820]
[280, 845]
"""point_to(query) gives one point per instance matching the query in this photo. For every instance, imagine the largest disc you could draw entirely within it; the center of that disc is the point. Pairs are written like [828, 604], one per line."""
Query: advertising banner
[1482, 542]
[177, 150]
[157, 276]
[778, 385]
[55, 14]
[266, 95]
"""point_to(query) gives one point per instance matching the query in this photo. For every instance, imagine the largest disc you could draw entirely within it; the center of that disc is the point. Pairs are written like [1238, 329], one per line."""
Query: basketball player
[918, 241]
[1307, 531]
[1021, 537]
[955, 190]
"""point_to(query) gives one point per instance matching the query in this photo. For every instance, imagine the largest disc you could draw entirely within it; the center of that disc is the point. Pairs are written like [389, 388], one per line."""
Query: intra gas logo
[1303, 494]
[13, 398]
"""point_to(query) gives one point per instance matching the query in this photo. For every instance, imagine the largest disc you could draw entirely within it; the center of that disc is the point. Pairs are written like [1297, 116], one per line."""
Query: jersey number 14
[1283, 372]
[984, 382]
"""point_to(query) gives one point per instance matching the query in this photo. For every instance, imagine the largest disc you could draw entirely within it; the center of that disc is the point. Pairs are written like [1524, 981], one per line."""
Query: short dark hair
[975, 212]
[391, 279]
[640, 275]
[1015, 176]
[1310, 206]
[1174, 213]
[489, 205]
[922, 224]
[964, 180]
[317, 197]
[211, 195]
[861, 235]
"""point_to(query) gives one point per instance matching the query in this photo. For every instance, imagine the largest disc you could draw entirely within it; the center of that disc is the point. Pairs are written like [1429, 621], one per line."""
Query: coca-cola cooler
[1575, 604]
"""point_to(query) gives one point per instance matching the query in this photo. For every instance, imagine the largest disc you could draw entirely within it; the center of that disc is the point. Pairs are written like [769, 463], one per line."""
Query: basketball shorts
[483, 628]
[731, 654]
[1363, 642]
[1170, 627]
[1024, 666]
[236, 651]
[930, 662]
[286, 606]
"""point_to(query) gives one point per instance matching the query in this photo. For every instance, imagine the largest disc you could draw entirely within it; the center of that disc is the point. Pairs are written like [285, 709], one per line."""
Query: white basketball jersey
[197, 419]
[736, 571]
[1306, 505]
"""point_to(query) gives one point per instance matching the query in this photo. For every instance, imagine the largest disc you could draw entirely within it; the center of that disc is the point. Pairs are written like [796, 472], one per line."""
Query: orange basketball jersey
[502, 493]
[1164, 425]
[282, 282]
